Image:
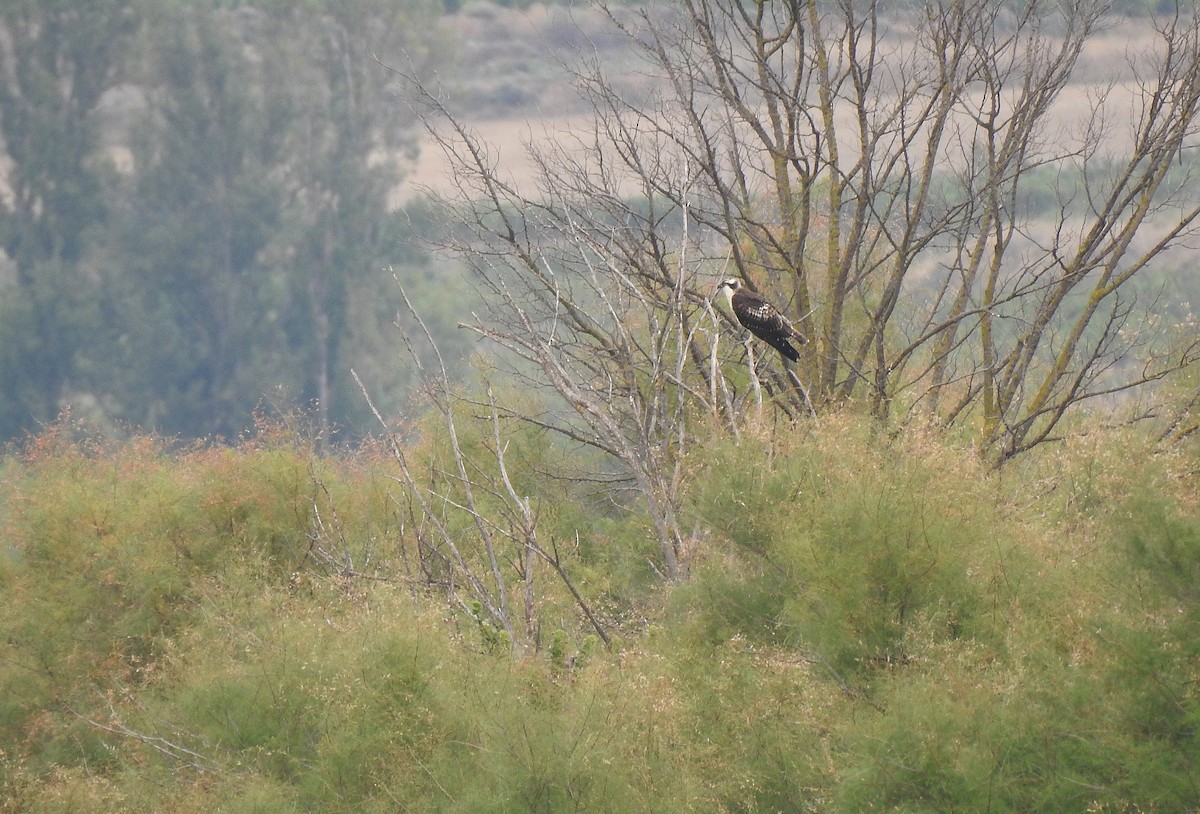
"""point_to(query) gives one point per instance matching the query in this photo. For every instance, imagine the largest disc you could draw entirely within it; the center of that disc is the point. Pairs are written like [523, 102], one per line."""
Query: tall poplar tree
[56, 62]
[256, 229]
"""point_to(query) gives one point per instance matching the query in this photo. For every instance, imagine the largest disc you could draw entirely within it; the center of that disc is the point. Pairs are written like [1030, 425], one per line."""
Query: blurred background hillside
[205, 206]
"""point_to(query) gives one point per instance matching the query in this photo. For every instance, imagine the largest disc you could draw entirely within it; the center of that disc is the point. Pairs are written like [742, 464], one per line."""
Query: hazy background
[202, 205]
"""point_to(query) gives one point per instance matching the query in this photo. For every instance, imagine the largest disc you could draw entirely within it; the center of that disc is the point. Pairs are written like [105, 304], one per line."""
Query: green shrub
[871, 623]
[1153, 644]
[860, 549]
[110, 550]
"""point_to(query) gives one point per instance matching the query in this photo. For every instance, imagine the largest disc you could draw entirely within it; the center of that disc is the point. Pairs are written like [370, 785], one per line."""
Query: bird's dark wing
[764, 321]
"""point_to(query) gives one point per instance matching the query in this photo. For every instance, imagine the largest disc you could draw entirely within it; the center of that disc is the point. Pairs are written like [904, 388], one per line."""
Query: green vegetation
[200, 215]
[629, 567]
[870, 623]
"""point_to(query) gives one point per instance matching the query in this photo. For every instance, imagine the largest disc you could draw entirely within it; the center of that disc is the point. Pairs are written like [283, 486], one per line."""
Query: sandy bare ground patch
[508, 143]
[1107, 73]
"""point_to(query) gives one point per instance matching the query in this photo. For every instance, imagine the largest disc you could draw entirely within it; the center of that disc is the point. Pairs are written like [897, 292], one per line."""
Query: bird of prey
[761, 318]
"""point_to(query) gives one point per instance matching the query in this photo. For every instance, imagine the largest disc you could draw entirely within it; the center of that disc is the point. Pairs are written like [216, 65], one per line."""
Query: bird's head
[728, 287]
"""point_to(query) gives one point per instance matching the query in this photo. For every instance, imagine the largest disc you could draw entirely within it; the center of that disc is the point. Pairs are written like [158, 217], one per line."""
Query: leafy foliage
[864, 550]
[870, 622]
[200, 210]
[58, 62]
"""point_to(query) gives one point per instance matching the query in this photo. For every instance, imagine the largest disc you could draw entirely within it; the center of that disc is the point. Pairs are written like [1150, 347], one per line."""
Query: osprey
[761, 318]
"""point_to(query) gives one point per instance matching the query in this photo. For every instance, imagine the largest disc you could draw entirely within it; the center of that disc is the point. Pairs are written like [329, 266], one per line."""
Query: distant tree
[256, 227]
[242, 253]
[344, 151]
[56, 62]
[872, 170]
[194, 309]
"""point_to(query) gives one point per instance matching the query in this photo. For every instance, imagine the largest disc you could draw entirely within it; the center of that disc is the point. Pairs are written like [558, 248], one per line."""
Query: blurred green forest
[195, 217]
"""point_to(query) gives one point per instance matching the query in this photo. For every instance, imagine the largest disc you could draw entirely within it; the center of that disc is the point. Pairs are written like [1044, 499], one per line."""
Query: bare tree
[883, 182]
[905, 183]
[591, 300]
[481, 571]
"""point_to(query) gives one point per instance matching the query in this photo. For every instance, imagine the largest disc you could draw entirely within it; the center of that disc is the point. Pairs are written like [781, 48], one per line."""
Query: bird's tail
[785, 347]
